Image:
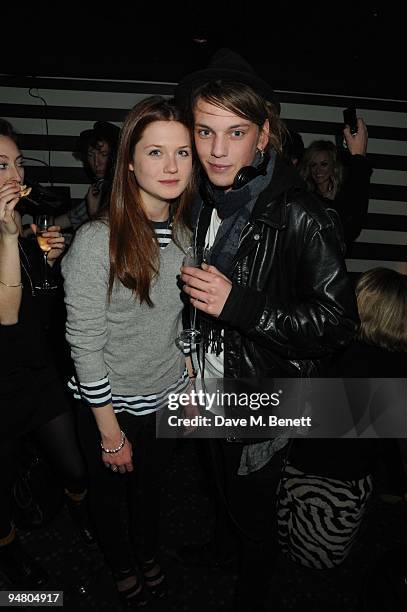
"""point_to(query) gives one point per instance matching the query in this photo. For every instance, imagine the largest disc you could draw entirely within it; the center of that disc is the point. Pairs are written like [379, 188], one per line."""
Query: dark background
[324, 47]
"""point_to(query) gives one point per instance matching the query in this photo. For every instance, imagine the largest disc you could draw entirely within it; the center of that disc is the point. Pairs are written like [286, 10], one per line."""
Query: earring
[261, 151]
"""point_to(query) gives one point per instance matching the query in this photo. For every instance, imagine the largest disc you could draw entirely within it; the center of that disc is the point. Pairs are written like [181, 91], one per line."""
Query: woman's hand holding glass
[55, 240]
[50, 242]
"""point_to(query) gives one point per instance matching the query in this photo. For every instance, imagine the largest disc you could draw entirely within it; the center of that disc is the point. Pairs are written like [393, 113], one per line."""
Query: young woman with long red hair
[124, 313]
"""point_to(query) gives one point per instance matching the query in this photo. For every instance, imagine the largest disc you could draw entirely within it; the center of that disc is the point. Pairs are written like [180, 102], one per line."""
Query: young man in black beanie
[275, 300]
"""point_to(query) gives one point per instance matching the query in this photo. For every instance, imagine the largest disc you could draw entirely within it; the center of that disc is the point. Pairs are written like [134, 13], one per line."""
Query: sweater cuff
[243, 308]
[94, 394]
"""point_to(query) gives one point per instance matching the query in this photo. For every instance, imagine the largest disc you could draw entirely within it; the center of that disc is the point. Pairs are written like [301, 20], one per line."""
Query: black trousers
[251, 503]
[125, 507]
[58, 440]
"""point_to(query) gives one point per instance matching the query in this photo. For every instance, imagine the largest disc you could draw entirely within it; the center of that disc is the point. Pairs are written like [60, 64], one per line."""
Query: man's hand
[207, 287]
[357, 144]
[93, 198]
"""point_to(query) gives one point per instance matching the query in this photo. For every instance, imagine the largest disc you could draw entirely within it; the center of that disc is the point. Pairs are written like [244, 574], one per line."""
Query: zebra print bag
[319, 517]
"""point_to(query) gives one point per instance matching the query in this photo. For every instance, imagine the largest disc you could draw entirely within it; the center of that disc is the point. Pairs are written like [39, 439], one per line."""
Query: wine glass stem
[45, 269]
[193, 317]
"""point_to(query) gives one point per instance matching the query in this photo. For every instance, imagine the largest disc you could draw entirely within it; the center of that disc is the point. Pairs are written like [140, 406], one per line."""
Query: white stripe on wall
[356, 265]
[389, 177]
[334, 114]
[375, 145]
[375, 236]
[384, 207]
[58, 158]
[55, 97]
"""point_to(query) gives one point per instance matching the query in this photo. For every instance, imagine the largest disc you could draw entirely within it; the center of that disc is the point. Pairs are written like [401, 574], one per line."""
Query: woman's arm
[10, 275]
[111, 437]
[352, 201]
[85, 269]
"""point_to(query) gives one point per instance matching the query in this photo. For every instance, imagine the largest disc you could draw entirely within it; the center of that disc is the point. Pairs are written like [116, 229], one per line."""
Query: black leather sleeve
[322, 317]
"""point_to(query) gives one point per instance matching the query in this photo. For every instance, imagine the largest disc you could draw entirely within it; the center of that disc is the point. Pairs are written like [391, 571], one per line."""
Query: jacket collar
[270, 208]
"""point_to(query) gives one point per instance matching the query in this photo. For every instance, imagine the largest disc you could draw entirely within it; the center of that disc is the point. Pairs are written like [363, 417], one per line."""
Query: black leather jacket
[292, 303]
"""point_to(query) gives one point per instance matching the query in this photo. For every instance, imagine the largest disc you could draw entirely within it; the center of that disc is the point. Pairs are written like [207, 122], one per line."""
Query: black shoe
[156, 583]
[79, 514]
[19, 569]
[135, 596]
[204, 555]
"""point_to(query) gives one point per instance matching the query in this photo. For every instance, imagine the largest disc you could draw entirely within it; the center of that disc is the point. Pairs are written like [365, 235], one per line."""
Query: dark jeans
[58, 440]
[125, 507]
[251, 501]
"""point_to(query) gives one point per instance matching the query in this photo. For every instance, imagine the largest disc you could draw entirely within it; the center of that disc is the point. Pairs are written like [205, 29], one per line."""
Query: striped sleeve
[95, 394]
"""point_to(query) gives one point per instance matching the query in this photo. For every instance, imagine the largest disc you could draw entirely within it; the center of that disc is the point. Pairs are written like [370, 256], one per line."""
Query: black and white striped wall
[75, 104]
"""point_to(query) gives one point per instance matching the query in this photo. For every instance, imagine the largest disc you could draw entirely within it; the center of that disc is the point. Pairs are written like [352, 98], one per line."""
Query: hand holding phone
[350, 119]
[356, 143]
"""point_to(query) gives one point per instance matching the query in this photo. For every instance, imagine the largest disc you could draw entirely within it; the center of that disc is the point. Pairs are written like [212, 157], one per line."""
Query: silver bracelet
[114, 450]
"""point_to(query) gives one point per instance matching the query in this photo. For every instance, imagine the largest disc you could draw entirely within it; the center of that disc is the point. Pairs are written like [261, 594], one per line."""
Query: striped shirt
[97, 394]
[163, 231]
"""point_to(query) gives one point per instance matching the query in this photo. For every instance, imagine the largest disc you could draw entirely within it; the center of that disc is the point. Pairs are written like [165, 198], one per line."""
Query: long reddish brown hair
[133, 247]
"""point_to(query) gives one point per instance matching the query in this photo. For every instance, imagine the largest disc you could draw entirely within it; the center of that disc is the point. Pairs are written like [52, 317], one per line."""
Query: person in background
[124, 314]
[32, 398]
[96, 149]
[293, 147]
[328, 483]
[342, 187]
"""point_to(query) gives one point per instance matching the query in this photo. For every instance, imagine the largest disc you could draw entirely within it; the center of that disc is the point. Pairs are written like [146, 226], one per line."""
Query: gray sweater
[132, 344]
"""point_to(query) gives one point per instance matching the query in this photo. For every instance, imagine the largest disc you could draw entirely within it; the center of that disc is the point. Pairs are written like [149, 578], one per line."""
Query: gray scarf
[235, 207]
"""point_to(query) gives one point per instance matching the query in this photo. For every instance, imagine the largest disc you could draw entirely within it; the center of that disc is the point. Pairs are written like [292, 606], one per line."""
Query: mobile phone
[350, 119]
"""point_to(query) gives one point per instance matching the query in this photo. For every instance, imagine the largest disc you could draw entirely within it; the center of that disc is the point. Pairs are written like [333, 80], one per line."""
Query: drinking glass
[195, 256]
[43, 223]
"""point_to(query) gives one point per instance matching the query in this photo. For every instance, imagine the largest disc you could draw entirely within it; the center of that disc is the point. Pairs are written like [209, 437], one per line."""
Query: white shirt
[213, 363]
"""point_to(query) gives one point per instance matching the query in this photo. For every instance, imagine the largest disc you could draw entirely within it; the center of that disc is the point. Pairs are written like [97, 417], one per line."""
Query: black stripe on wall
[396, 193]
[383, 252]
[394, 223]
[387, 162]
[81, 113]
[41, 142]
[59, 174]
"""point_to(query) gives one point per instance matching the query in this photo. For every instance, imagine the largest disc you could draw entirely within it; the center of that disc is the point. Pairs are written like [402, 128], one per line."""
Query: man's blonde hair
[382, 303]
